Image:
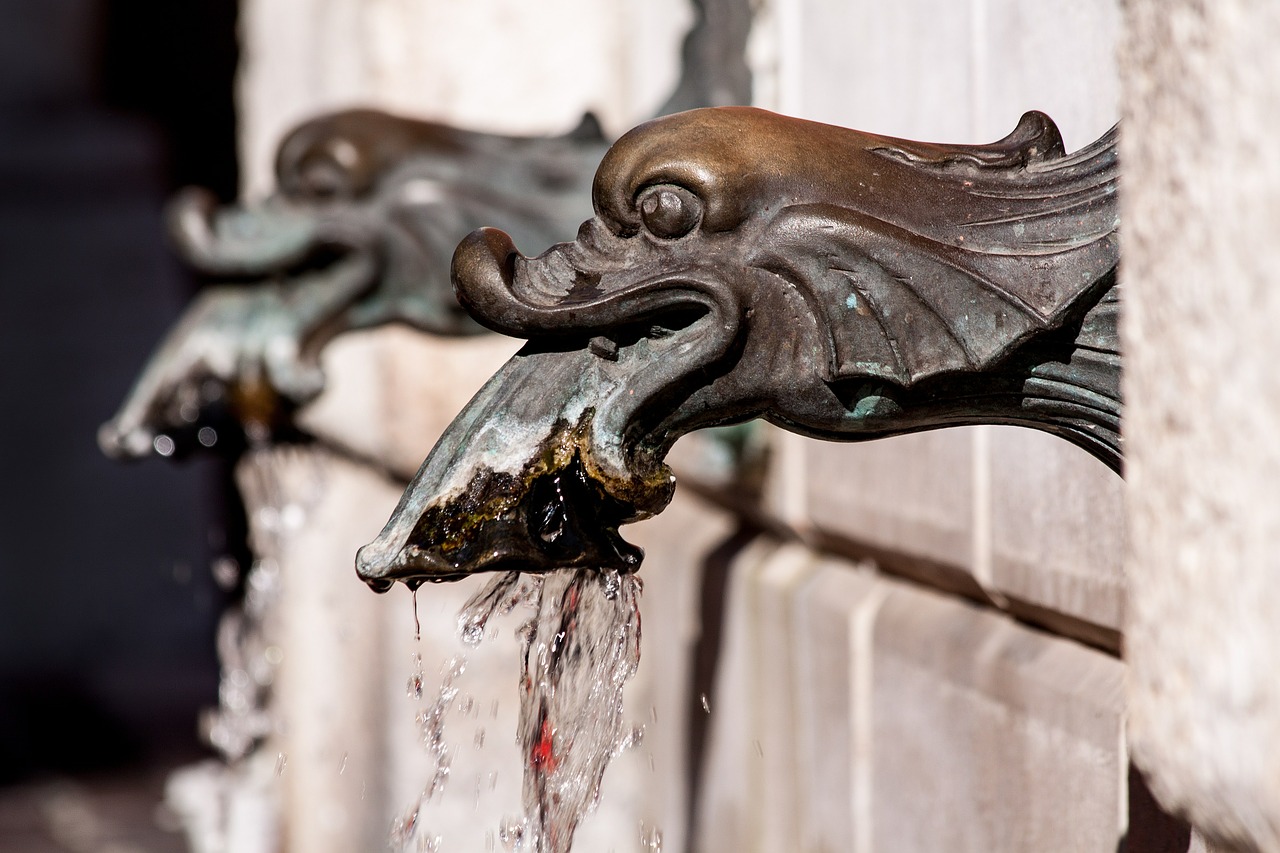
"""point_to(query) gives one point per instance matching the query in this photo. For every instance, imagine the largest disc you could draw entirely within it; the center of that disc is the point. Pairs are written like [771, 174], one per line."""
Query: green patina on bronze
[841, 284]
[559, 508]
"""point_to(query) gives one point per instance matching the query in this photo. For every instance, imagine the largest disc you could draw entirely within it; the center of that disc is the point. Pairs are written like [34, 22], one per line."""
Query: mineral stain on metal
[553, 512]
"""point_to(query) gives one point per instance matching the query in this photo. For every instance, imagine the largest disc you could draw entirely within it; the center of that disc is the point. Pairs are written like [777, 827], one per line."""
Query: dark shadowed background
[107, 607]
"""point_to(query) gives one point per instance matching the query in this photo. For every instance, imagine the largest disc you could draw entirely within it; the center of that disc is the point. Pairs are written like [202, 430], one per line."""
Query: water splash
[502, 594]
[249, 652]
[431, 724]
[650, 838]
[577, 651]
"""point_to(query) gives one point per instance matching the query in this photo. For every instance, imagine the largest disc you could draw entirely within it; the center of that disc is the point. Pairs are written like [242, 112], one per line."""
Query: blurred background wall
[106, 602]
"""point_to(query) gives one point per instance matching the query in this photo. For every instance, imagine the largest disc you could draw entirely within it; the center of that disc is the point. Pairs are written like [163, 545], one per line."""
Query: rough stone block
[910, 497]
[989, 736]
[1057, 528]
[731, 801]
[491, 65]
[861, 66]
[781, 770]
[774, 653]
[833, 613]
[1059, 58]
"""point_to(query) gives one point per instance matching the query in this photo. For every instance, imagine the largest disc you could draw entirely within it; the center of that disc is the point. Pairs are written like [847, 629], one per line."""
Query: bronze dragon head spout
[743, 264]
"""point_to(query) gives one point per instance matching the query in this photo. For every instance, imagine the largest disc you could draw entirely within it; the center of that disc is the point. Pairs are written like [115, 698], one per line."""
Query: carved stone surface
[743, 264]
[367, 208]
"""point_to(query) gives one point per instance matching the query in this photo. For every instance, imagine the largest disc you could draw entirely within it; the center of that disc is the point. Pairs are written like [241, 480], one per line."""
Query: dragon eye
[669, 211]
[333, 170]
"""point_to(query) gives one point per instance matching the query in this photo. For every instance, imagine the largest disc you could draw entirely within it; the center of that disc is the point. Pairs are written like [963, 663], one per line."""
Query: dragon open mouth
[558, 510]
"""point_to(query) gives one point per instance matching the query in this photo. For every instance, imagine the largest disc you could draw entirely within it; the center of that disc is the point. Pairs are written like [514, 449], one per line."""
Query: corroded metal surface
[743, 264]
[368, 207]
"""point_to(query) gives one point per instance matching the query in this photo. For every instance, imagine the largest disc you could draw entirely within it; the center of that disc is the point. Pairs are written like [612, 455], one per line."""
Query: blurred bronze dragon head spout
[368, 208]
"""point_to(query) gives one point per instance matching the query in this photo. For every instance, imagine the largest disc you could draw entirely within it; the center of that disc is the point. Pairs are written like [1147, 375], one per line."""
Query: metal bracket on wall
[742, 265]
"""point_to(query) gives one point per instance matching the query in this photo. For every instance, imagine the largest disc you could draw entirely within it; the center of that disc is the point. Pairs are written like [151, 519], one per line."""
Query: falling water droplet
[257, 433]
[706, 704]
[402, 829]
[414, 686]
[612, 585]
[633, 739]
[342, 766]
[759, 749]
[417, 626]
[511, 833]
[226, 572]
[281, 761]
[472, 634]
[650, 838]
[479, 740]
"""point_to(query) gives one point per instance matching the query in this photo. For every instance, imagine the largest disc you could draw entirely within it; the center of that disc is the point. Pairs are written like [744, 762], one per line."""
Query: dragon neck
[1066, 382]
[1079, 397]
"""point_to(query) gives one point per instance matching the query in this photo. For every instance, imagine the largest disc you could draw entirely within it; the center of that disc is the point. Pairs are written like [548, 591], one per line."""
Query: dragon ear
[902, 307]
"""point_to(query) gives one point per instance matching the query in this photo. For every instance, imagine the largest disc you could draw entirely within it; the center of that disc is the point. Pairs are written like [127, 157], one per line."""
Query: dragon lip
[410, 565]
[414, 566]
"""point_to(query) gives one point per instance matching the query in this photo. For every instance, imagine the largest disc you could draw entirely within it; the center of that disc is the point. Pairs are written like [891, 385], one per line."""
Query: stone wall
[963, 675]
[1202, 202]
[911, 645]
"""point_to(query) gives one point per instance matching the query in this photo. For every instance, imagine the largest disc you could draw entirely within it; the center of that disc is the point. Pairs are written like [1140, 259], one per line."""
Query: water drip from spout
[431, 722]
[578, 652]
[579, 648]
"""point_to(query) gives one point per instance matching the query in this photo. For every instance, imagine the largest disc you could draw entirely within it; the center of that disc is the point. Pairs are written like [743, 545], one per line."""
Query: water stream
[578, 649]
